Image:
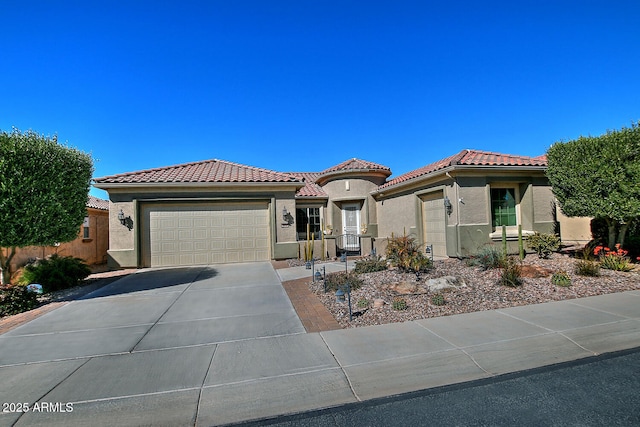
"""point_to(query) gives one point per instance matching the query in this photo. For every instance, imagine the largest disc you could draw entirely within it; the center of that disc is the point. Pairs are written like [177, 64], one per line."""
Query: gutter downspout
[458, 240]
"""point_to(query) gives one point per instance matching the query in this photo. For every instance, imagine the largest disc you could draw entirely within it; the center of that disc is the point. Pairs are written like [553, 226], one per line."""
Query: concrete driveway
[209, 346]
[151, 333]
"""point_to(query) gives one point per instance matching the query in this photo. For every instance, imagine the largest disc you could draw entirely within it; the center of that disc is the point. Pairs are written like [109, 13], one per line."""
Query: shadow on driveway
[166, 279]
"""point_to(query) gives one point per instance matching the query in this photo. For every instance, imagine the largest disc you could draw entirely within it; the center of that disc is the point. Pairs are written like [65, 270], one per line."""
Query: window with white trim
[85, 228]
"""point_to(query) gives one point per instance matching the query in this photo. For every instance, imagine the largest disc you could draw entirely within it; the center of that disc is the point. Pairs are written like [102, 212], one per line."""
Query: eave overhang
[449, 171]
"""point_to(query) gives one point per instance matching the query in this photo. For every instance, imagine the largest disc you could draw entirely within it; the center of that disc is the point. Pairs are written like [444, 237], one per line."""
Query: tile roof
[485, 158]
[310, 189]
[96, 203]
[469, 158]
[356, 164]
[208, 171]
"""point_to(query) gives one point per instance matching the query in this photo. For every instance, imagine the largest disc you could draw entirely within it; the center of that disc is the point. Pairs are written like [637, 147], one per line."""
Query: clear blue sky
[303, 85]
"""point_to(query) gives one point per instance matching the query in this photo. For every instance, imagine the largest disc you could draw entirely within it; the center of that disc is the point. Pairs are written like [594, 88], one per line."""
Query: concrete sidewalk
[217, 381]
[293, 273]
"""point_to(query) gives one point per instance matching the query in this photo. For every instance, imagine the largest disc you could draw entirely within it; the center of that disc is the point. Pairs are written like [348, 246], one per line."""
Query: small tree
[44, 188]
[599, 177]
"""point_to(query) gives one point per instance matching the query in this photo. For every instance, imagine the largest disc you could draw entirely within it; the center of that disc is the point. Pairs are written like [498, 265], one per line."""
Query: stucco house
[216, 211]
[91, 245]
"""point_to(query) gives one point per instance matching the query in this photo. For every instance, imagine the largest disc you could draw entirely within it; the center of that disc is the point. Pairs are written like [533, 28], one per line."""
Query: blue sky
[304, 85]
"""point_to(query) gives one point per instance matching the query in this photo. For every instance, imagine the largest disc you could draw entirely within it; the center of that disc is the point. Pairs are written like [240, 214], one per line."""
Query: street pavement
[222, 344]
[596, 391]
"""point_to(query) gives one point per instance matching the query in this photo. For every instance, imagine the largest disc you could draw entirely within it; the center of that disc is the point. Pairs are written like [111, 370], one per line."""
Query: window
[85, 228]
[306, 216]
[503, 207]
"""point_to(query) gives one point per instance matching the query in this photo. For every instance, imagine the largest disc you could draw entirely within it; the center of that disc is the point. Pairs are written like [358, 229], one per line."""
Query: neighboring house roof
[96, 203]
[310, 189]
[208, 171]
[468, 158]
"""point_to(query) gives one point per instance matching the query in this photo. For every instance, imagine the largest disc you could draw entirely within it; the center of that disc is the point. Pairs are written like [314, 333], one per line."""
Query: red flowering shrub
[613, 260]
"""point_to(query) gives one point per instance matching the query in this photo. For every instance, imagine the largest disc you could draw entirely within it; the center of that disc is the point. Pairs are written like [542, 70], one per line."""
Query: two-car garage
[178, 234]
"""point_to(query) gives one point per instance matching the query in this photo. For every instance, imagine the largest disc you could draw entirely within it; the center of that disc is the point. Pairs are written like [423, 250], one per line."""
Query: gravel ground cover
[481, 290]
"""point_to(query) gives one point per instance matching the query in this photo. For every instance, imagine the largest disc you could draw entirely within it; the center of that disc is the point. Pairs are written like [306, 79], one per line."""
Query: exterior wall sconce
[125, 220]
[287, 218]
[448, 207]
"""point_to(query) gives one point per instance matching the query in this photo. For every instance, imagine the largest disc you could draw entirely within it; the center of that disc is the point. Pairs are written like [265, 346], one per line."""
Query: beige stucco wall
[574, 230]
[397, 215]
[352, 189]
[468, 228]
[92, 250]
[544, 205]
[473, 193]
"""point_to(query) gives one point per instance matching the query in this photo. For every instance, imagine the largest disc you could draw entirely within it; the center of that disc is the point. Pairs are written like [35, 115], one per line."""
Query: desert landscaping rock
[445, 283]
[378, 303]
[481, 291]
[404, 288]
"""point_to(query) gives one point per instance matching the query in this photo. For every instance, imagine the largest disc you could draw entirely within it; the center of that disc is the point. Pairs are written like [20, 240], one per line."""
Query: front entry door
[351, 224]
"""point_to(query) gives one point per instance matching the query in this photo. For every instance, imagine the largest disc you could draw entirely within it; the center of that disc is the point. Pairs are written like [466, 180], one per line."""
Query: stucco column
[328, 219]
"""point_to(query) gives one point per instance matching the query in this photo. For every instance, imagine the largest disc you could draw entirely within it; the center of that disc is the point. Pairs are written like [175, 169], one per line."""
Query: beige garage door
[435, 223]
[205, 234]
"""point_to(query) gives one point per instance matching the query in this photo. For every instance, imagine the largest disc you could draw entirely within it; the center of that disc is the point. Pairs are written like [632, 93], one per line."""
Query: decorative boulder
[404, 288]
[377, 303]
[445, 283]
[534, 271]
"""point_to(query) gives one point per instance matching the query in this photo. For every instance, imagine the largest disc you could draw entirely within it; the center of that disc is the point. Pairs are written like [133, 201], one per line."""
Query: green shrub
[56, 272]
[511, 273]
[587, 252]
[488, 257]
[613, 260]
[399, 304]
[16, 299]
[616, 263]
[334, 281]
[404, 252]
[586, 267]
[363, 303]
[561, 278]
[438, 299]
[543, 244]
[370, 265]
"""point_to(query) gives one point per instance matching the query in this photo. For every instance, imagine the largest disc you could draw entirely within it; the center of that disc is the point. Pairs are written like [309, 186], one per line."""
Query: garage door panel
[201, 222]
[200, 234]
[206, 234]
[231, 233]
[185, 222]
[186, 246]
[217, 233]
[217, 258]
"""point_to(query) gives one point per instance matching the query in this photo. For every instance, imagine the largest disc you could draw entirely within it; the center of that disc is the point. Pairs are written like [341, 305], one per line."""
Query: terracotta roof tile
[469, 158]
[96, 203]
[310, 189]
[485, 158]
[356, 164]
[430, 168]
[208, 171]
